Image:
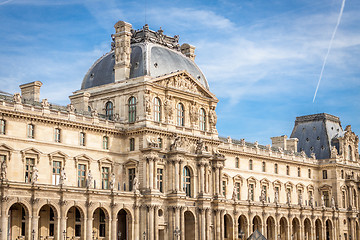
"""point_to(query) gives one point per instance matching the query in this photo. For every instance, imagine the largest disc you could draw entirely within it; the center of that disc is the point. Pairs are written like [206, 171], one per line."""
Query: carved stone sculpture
[334, 152]
[168, 108]
[313, 156]
[322, 201]
[250, 195]
[242, 142]
[263, 196]
[34, 175]
[199, 146]
[276, 198]
[193, 113]
[70, 108]
[89, 179]
[3, 169]
[303, 154]
[152, 142]
[17, 98]
[147, 103]
[212, 117]
[234, 194]
[94, 113]
[63, 177]
[136, 185]
[311, 202]
[112, 181]
[333, 202]
[45, 103]
[288, 195]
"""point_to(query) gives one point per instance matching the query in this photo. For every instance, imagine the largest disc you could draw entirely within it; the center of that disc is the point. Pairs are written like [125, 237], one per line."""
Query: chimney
[188, 51]
[80, 101]
[279, 142]
[122, 39]
[31, 91]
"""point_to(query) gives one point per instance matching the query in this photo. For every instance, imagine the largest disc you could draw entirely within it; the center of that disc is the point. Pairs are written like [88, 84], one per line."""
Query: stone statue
[193, 113]
[242, 142]
[45, 103]
[234, 194]
[63, 177]
[300, 199]
[152, 142]
[199, 146]
[17, 98]
[70, 108]
[147, 103]
[256, 144]
[89, 179]
[313, 156]
[276, 198]
[303, 154]
[112, 180]
[136, 185]
[94, 113]
[250, 195]
[334, 152]
[176, 143]
[34, 175]
[333, 202]
[168, 108]
[3, 169]
[311, 202]
[288, 195]
[263, 196]
[212, 116]
[322, 201]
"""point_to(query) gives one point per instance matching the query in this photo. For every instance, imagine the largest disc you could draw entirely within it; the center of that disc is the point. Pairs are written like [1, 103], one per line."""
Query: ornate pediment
[185, 82]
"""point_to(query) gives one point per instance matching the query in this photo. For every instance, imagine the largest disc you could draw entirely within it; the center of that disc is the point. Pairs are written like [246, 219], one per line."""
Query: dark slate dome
[151, 55]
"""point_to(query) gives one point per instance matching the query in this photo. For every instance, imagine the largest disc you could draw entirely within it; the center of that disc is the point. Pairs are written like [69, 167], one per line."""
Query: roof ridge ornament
[147, 35]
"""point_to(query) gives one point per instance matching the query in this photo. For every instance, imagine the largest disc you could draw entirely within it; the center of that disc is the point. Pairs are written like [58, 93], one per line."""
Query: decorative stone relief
[17, 98]
[45, 103]
[168, 108]
[212, 116]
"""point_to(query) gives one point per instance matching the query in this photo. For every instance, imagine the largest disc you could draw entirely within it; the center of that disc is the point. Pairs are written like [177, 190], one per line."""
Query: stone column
[151, 222]
[208, 223]
[34, 222]
[171, 220]
[151, 174]
[136, 222]
[155, 175]
[202, 224]
[89, 224]
[176, 174]
[113, 224]
[62, 225]
[4, 217]
[201, 177]
[218, 224]
[156, 228]
[220, 179]
[181, 184]
[182, 223]
[217, 181]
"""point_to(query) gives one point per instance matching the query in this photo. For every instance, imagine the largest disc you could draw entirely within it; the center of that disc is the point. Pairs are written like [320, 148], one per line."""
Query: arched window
[132, 109]
[349, 153]
[157, 110]
[187, 181]
[202, 120]
[109, 110]
[180, 114]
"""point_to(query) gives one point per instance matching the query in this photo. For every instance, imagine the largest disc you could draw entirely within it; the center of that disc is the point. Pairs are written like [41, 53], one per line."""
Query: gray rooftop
[152, 54]
[316, 132]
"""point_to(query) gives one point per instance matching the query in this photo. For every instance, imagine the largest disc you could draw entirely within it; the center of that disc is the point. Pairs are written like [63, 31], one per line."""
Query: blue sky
[262, 58]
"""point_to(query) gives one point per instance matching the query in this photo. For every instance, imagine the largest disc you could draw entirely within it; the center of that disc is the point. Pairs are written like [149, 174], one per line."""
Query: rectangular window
[277, 193]
[326, 198]
[105, 143]
[56, 172]
[276, 170]
[250, 164]
[57, 135]
[343, 199]
[159, 177]
[224, 188]
[264, 192]
[131, 172]
[30, 131]
[287, 170]
[132, 144]
[309, 173]
[237, 190]
[299, 172]
[299, 196]
[263, 166]
[2, 126]
[237, 164]
[105, 177]
[82, 139]
[30, 163]
[251, 192]
[324, 172]
[81, 175]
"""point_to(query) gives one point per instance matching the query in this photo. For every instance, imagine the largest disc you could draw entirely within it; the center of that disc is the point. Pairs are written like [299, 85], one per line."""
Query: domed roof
[149, 58]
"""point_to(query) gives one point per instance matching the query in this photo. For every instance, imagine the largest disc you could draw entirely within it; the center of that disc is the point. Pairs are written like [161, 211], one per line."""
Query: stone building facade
[136, 155]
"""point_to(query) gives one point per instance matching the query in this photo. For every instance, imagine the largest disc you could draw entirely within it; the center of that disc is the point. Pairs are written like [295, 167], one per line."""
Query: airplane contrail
[329, 48]
[2, 3]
